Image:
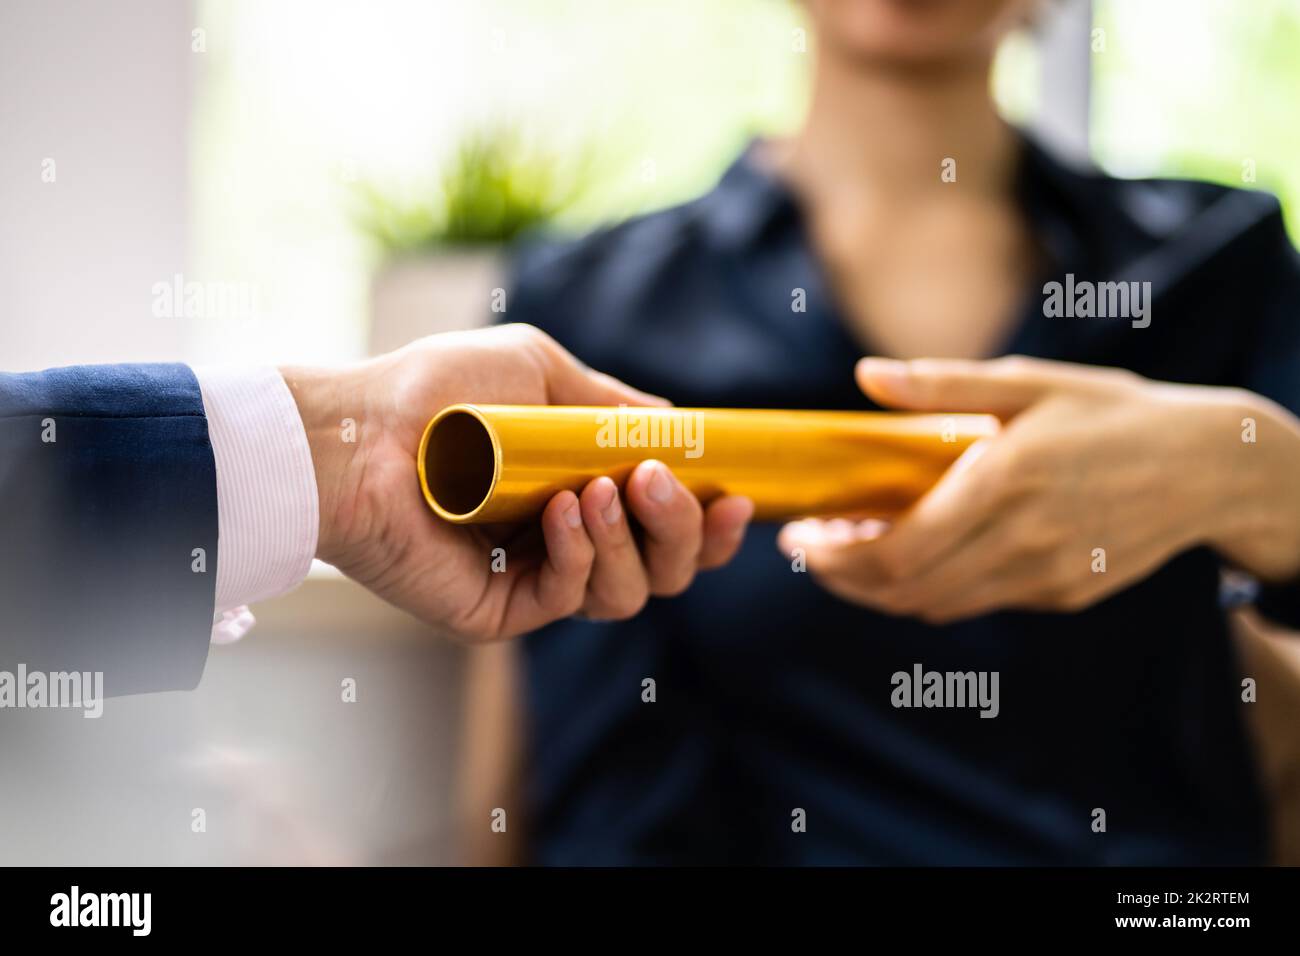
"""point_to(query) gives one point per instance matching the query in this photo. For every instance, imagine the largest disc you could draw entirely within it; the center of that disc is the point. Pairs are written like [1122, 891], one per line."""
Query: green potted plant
[443, 255]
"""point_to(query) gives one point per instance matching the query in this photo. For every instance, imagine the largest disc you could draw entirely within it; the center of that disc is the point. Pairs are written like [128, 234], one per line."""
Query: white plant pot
[436, 292]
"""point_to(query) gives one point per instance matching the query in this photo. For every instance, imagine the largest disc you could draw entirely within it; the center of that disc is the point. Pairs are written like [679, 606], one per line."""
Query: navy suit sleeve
[108, 525]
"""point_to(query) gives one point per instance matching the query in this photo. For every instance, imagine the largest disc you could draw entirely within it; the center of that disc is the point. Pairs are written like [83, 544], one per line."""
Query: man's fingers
[725, 521]
[593, 563]
[672, 519]
[1003, 386]
[618, 587]
[558, 586]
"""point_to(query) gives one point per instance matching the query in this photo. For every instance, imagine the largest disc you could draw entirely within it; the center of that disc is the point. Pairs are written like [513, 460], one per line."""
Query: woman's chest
[939, 280]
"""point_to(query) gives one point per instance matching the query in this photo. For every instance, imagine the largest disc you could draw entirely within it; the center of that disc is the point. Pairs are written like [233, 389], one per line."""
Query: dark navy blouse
[773, 696]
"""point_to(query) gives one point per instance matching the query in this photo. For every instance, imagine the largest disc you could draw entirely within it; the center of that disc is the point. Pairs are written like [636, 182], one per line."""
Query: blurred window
[1207, 89]
[301, 104]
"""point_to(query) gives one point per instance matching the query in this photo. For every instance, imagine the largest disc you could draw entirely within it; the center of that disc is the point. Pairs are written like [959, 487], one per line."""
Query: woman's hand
[581, 557]
[1098, 477]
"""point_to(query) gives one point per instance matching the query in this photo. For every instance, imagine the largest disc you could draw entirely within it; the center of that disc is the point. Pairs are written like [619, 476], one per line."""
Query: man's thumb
[572, 383]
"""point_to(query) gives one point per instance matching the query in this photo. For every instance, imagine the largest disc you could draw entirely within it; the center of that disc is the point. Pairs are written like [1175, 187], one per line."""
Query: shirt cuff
[268, 515]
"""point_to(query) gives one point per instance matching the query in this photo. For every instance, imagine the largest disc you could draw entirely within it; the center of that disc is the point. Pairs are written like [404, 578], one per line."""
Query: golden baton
[485, 463]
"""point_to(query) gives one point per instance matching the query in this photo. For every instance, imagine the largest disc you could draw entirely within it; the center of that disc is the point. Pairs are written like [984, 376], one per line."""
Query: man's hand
[1089, 458]
[581, 558]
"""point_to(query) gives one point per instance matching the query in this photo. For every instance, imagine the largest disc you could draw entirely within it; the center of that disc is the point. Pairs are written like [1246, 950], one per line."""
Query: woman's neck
[889, 130]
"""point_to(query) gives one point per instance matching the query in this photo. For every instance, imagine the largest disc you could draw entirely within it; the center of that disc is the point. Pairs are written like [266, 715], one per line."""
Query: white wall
[104, 90]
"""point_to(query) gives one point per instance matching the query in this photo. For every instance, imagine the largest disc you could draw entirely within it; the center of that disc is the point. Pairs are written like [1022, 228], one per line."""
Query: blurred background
[336, 178]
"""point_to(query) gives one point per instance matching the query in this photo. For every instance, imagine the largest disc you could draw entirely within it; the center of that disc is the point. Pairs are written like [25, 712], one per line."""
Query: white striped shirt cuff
[268, 515]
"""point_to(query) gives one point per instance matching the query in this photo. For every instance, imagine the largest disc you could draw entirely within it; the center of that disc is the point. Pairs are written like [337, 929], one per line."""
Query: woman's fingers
[980, 575]
[866, 557]
[1002, 386]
